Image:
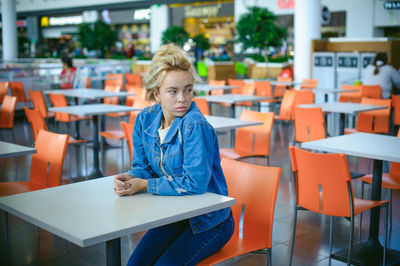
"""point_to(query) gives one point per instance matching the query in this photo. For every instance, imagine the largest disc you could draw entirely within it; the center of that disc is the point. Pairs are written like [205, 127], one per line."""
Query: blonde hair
[168, 58]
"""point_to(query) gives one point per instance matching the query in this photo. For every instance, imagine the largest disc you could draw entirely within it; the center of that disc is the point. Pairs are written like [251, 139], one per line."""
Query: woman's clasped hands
[125, 184]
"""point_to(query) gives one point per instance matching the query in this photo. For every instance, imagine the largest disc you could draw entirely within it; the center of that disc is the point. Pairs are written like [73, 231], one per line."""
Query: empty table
[12, 150]
[87, 213]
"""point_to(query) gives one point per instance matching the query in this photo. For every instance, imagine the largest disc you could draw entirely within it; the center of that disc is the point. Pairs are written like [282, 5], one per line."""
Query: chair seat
[112, 134]
[388, 181]
[119, 114]
[235, 154]
[72, 140]
[11, 188]
[361, 205]
[278, 117]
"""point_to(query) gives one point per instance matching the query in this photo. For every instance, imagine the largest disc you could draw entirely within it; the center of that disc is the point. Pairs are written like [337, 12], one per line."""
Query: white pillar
[159, 22]
[307, 26]
[9, 27]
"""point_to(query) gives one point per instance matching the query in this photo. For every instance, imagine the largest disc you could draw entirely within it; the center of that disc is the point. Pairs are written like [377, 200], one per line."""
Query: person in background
[176, 152]
[68, 73]
[383, 74]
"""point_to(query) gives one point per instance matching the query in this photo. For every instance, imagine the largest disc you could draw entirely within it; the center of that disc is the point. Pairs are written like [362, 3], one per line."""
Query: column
[158, 24]
[307, 26]
[9, 28]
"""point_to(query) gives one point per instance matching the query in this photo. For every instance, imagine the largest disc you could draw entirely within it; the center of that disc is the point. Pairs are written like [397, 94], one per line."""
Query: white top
[207, 87]
[93, 109]
[333, 91]
[367, 145]
[89, 93]
[234, 98]
[89, 212]
[12, 150]
[386, 77]
[224, 123]
[345, 108]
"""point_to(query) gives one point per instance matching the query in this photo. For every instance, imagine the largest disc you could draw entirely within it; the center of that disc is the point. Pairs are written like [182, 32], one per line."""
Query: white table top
[234, 98]
[372, 146]
[275, 82]
[346, 108]
[89, 93]
[93, 109]
[87, 213]
[12, 150]
[207, 87]
[102, 78]
[333, 90]
[223, 123]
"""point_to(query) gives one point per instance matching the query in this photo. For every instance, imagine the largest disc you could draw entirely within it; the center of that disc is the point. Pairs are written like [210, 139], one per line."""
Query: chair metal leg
[390, 214]
[293, 234]
[386, 233]
[69, 163]
[7, 239]
[85, 150]
[361, 214]
[351, 240]
[330, 237]
[122, 153]
[269, 256]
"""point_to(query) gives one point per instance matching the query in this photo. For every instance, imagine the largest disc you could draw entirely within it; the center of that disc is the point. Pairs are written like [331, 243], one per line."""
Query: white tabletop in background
[372, 146]
[223, 123]
[275, 82]
[326, 91]
[346, 108]
[89, 93]
[234, 98]
[87, 213]
[207, 87]
[12, 150]
[93, 109]
[103, 78]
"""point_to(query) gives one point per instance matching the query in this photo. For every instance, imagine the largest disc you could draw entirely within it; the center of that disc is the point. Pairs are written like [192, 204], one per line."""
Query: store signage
[348, 61]
[323, 61]
[90, 16]
[142, 14]
[391, 5]
[19, 23]
[284, 4]
[206, 11]
[60, 21]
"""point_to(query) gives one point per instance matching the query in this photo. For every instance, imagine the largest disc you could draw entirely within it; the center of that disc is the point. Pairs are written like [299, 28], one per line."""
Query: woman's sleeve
[197, 165]
[140, 165]
[395, 76]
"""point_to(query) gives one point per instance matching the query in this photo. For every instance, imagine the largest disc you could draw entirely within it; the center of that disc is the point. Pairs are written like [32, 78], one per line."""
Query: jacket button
[196, 229]
[165, 147]
[163, 164]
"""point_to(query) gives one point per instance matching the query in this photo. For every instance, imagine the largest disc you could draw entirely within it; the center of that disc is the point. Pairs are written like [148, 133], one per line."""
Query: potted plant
[175, 34]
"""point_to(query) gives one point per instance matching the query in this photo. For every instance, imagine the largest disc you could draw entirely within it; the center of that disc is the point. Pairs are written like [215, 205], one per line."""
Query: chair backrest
[285, 112]
[8, 111]
[376, 121]
[47, 162]
[113, 99]
[322, 182]
[117, 81]
[309, 124]
[36, 120]
[309, 84]
[279, 90]
[137, 104]
[255, 139]
[17, 89]
[217, 83]
[263, 88]
[395, 167]
[203, 105]
[3, 90]
[128, 132]
[304, 97]
[59, 100]
[248, 89]
[140, 94]
[255, 188]
[371, 91]
[396, 109]
[238, 83]
[354, 97]
[38, 101]
[133, 79]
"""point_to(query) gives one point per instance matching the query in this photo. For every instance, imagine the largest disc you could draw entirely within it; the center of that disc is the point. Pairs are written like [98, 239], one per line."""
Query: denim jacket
[191, 159]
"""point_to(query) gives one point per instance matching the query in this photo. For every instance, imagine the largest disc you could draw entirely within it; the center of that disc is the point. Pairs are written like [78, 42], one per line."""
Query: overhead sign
[202, 11]
[60, 21]
[391, 5]
[285, 4]
[142, 14]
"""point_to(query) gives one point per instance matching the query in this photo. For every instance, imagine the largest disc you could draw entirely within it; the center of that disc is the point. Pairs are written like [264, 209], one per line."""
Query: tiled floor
[312, 234]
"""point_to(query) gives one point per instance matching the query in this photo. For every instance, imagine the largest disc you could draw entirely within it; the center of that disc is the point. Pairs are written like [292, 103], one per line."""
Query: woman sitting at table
[176, 152]
[68, 73]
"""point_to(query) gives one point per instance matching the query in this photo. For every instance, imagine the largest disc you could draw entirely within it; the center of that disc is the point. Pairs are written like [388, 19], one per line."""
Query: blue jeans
[175, 244]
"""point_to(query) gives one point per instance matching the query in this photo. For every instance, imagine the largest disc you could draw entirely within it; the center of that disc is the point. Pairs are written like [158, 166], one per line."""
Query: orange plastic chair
[309, 84]
[304, 97]
[238, 83]
[396, 109]
[217, 83]
[203, 105]
[46, 166]
[17, 89]
[7, 114]
[264, 89]
[279, 90]
[252, 141]
[390, 181]
[113, 99]
[354, 97]
[248, 89]
[3, 90]
[371, 91]
[39, 103]
[133, 79]
[285, 112]
[376, 121]
[38, 123]
[118, 80]
[128, 134]
[255, 189]
[323, 185]
[309, 124]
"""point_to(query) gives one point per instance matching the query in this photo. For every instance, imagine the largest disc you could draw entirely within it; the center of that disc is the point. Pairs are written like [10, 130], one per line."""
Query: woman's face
[175, 95]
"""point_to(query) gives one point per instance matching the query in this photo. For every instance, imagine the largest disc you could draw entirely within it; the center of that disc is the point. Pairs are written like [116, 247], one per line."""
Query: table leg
[113, 252]
[341, 124]
[96, 172]
[232, 130]
[371, 251]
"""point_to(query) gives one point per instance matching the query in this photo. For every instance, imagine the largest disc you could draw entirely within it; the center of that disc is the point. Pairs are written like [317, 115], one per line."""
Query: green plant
[23, 45]
[97, 36]
[257, 29]
[201, 42]
[175, 34]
